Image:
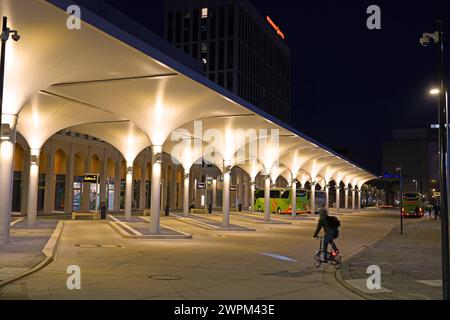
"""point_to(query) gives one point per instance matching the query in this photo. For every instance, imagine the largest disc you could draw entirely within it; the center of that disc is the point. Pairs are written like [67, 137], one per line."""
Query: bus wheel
[279, 211]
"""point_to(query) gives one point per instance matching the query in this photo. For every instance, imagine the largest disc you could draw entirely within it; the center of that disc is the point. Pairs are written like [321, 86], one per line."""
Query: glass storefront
[17, 191]
[77, 195]
[41, 192]
[110, 193]
[60, 191]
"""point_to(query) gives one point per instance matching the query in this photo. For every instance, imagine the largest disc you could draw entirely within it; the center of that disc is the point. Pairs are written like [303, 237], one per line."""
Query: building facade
[239, 50]
[416, 152]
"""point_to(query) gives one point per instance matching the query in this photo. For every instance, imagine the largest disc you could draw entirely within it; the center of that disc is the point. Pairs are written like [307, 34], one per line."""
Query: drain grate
[166, 277]
[95, 245]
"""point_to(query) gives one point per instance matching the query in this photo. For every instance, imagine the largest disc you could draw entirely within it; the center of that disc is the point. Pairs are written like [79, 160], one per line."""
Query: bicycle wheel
[337, 262]
[317, 260]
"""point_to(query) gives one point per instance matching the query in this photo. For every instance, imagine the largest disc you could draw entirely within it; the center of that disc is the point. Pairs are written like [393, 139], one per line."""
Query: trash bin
[103, 210]
[210, 208]
[166, 211]
[240, 207]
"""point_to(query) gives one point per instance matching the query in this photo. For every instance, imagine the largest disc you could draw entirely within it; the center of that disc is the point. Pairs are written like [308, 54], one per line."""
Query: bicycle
[333, 257]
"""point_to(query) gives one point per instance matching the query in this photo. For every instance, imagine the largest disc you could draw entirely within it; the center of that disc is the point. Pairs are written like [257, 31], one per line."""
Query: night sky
[351, 85]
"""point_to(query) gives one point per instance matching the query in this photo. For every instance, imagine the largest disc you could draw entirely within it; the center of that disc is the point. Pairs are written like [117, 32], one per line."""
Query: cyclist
[331, 232]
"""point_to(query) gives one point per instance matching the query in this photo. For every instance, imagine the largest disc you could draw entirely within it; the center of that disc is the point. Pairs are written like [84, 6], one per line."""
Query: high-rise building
[239, 49]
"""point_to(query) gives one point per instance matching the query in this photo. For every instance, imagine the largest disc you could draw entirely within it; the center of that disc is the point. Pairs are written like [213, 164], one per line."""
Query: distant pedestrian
[436, 210]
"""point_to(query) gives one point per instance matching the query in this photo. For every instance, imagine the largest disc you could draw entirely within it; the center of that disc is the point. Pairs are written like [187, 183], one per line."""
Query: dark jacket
[324, 224]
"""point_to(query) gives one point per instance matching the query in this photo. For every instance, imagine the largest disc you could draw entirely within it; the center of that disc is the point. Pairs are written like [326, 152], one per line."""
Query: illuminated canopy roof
[102, 81]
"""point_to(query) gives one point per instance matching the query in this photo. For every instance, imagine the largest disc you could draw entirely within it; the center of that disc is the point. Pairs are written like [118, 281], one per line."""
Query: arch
[60, 162]
[19, 155]
[79, 169]
[95, 164]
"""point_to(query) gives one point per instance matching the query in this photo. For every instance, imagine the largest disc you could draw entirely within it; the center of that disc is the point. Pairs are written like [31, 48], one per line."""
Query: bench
[94, 215]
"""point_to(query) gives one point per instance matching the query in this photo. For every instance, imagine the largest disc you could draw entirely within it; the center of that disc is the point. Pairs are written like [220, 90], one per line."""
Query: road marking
[361, 285]
[431, 283]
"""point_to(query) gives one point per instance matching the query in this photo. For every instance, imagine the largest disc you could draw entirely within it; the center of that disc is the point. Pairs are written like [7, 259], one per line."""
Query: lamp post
[437, 38]
[415, 181]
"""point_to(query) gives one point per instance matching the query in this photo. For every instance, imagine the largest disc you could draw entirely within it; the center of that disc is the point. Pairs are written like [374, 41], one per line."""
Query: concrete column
[338, 200]
[245, 205]
[294, 197]
[214, 193]
[346, 198]
[103, 177]
[117, 180]
[142, 184]
[241, 191]
[186, 193]
[327, 196]
[6, 177]
[68, 198]
[313, 198]
[49, 202]
[353, 198]
[226, 197]
[359, 199]
[33, 187]
[252, 195]
[128, 190]
[267, 208]
[156, 189]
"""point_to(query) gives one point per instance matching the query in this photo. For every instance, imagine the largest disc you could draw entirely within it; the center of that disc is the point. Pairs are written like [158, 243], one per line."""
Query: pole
[2, 66]
[442, 156]
[401, 201]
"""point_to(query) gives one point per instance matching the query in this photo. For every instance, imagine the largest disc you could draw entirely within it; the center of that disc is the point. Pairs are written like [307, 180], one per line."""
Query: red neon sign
[277, 28]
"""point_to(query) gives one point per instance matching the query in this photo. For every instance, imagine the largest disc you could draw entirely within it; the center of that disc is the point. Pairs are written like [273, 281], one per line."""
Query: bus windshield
[410, 196]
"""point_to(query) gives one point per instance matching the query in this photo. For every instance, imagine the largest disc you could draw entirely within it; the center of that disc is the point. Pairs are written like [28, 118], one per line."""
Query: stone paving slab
[407, 262]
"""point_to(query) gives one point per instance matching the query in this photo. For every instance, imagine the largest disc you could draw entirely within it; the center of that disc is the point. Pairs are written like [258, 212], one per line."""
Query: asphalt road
[273, 262]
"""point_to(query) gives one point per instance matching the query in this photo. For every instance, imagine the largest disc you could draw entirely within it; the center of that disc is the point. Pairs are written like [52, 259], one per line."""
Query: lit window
[205, 13]
[204, 61]
[204, 47]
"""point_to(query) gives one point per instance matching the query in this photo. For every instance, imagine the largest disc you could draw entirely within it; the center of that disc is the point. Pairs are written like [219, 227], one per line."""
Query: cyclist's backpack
[333, 222]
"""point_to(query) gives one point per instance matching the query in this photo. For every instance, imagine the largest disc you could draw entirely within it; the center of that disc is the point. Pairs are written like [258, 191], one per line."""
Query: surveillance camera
[424, 41]
[15, 37]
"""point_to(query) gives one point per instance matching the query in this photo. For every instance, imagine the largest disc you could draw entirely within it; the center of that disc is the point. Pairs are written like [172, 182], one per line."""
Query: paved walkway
[410, 264]
[273, 262]
[25, 249]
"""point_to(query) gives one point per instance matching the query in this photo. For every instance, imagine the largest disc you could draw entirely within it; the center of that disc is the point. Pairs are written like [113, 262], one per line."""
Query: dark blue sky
[351, 85]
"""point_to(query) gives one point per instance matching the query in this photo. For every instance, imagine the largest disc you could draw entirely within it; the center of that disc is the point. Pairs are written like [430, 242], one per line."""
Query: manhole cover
[164, 277]
[94, 245]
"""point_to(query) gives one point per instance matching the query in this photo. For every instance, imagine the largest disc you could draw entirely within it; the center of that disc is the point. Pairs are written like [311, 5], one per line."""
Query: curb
[50, 251]
[338, 274]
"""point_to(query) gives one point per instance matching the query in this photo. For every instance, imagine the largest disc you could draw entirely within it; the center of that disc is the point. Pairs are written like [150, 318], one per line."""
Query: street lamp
[6, 32]
[437, 38]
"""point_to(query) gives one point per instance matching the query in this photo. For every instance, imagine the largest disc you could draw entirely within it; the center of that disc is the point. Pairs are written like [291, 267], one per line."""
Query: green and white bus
[413, 205]
[281, 201]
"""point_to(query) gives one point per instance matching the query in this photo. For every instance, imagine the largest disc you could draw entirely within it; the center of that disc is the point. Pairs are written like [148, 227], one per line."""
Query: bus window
[274, 194]
[301, 193]
[284, 194]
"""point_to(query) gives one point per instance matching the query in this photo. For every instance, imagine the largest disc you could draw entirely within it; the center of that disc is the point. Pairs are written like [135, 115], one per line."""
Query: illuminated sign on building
[92, 178]
[277, 28]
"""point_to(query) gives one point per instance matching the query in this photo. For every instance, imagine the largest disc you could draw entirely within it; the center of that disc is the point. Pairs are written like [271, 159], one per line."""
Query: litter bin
[103, 210]
[210, 208]
[166, 211]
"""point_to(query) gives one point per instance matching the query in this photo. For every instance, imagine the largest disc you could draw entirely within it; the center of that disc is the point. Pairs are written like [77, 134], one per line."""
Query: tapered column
[353, 199]
[327, 196]
[252, 195]
[186, 192]
[7, 140]
[245, 205]
[143, 184]
[117, 182]
[33, 187]
[267, 208]
[214, 193]
[346, 198]
[226, 196]
[338, 199]
[294, 197]
[359, 199]
[313, 197]
[128, 190]
[156, 189]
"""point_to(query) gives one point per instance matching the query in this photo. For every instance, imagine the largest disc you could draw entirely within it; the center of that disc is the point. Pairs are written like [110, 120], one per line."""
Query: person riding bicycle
[331, 231]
